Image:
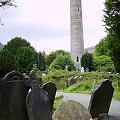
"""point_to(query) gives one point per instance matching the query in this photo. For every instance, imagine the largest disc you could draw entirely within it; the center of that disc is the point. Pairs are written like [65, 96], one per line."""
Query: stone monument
[77, 44]
[71, 110]
[101, 99]
[13, 96]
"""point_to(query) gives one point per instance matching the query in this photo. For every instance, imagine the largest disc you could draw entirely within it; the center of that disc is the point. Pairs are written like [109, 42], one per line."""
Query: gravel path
[85, 98]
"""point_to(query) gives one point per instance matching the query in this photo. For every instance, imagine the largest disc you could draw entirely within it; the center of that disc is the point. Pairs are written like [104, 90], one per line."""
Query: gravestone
[38, 104]
[13, 96]
[71, 81]
[74, 80]
[50, 88]
[118, 84]
[71, 110]
[101, 99]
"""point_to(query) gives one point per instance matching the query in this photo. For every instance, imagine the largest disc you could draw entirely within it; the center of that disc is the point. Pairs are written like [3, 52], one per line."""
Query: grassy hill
[60, 77]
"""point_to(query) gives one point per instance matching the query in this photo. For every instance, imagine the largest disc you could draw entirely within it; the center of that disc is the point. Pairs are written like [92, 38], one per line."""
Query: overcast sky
[46, 23]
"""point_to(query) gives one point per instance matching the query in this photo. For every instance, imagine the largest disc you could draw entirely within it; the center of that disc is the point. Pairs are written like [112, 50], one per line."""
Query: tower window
[77, 59]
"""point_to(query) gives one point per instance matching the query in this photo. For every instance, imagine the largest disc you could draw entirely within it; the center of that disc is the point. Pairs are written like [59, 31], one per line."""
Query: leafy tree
[53, 55]
[14, 44]
[41, 61]
[112, 24]
[61, 62]
[4, 3]
[7, 62]
[103, 63]
[102, 47]
[87, 61]
[26, 58]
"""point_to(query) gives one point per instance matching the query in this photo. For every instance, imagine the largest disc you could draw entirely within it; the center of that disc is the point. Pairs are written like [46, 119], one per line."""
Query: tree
[62, 62]
[87, 61]
[26, 58]
[14, 44]
[4, 3]
[112, 25]
[41, 61]
[103, 63]
[7, 62]
[102, 47]
[53, 55]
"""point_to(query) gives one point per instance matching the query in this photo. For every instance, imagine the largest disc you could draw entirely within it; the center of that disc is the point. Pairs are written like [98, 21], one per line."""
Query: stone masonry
[77, 43]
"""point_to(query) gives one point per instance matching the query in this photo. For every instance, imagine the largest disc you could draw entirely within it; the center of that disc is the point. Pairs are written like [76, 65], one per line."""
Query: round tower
[77, 44]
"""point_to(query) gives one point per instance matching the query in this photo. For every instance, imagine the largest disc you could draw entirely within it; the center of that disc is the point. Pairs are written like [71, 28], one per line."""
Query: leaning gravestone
[38, 104]
[70, 81]
[101, 99]
[118, 84]
[13, 96]
[50, 88]
[71, 110]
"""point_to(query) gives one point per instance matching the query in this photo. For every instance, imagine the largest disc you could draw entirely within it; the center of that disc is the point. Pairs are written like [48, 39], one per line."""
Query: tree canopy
[26, 58]
[62, 62]
[7, 62]
[53, 55]
[102, 47]
[87, 61]
[112, 25]
[15, 43]
[4, 3]
[20, 54]
[103, 63]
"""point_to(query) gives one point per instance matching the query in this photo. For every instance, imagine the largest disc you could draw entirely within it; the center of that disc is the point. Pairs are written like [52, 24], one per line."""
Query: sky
[46, 23]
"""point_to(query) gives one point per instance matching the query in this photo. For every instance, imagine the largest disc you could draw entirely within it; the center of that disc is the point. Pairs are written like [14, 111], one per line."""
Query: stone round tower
[77, 44]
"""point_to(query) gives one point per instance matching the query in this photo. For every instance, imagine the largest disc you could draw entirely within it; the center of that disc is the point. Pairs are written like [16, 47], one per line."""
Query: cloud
[58, 43]
[46, 23]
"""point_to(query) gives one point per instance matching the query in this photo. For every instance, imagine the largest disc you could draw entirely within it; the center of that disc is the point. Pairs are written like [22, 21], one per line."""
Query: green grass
[60, 77]
[86, 88]
[57, 102]
[116, 92]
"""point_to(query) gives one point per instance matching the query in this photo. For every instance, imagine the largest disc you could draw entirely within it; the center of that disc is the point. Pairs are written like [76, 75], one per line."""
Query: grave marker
[38, 104]
[50, 88]
[101, 99]
[13, 97]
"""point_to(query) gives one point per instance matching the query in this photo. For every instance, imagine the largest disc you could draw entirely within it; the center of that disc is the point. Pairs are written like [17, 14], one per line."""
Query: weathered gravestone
[38, 104]
[101, 99]
[32, 76]
[50, 88]
[71, 81]
[74, 80]
[118, 84]
[13, 97]
[71, 110]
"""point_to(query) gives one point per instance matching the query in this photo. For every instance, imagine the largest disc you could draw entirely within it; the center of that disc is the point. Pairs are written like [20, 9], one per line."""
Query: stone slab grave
[71, 110]
[13, 96]
[101, 99]
[38, 104]
[74, 80]
[50, 88]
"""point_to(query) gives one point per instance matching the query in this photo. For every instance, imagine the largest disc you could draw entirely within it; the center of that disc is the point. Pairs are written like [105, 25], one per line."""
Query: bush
[61, 62]
[103, 63]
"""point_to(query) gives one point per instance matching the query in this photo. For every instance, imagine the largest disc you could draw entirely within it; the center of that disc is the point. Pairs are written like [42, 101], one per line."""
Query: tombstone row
[24, 99]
